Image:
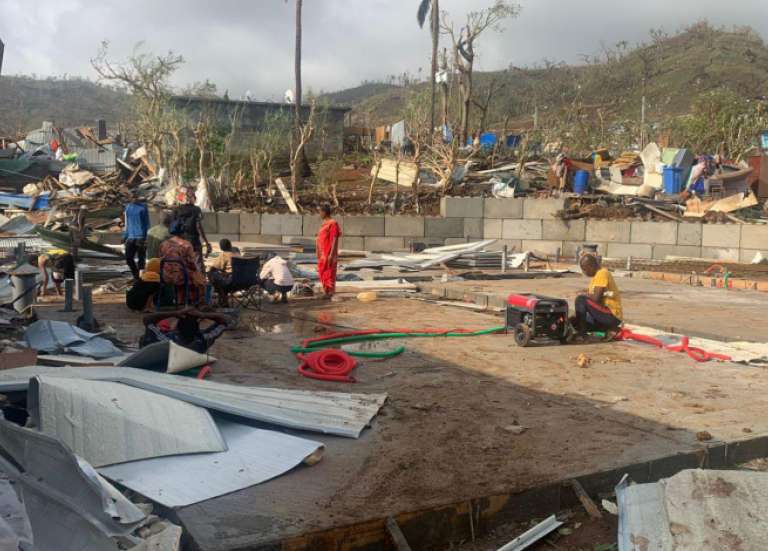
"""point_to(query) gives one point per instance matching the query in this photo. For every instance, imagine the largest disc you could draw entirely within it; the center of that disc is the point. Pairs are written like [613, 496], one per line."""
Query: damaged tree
[464, 49]
[433, 8]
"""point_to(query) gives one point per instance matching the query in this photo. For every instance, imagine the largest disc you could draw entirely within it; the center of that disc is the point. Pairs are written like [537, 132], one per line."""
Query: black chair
[245, 285]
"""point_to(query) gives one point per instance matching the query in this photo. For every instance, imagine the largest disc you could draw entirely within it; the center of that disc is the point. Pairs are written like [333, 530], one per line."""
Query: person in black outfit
[188, 218]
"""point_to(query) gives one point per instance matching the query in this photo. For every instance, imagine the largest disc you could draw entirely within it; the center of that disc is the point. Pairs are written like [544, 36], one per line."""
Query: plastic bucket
[673, 180]
[580, 182]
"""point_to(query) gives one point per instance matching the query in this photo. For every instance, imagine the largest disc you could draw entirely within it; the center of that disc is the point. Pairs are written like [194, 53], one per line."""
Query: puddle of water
[262, 323]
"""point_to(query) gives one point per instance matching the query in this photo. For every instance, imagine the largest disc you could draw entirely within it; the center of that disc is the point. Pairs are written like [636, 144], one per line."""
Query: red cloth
[326, 235]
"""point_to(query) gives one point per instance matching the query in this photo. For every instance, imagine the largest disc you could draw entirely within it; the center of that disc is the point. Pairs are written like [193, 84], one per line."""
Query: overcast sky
[248, 44]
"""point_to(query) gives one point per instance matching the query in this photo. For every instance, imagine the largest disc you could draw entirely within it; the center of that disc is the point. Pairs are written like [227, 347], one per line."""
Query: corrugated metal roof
[327, 412]
[254, 456]
[60, 336]
[107, 423]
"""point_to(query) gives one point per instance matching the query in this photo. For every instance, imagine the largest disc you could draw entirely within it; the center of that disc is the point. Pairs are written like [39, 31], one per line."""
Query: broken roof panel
[253, 456]
[107, 423]
[59, 336]
[337, 413]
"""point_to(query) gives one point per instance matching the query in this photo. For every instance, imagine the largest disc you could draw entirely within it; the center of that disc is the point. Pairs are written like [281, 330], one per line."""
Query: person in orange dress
[178, 249]
[328, 250]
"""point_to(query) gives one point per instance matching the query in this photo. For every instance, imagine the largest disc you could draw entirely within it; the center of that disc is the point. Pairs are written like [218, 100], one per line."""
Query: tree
[464, 48]
[298, 154]
[433, 8]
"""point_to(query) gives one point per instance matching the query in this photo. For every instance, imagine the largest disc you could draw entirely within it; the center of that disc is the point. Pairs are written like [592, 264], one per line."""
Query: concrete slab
[564, 230]
[281, 224]
[721, 235]
[384, 244]
[721, 253]
[543, 247]
[210, 223]
[250, 223]
[754, 236]
[503, 208]
[228, 223]
[474, 228]
[404, 226]
[542, 209]
[689, 233]
[443, 227]
[461, 207]
[521, 229]
[624, 250]
[661, 252]
[653, 233]
[492, 228]
[600, 231]
[363, 225]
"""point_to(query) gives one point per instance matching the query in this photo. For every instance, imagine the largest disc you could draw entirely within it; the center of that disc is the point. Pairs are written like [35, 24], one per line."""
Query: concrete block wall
[521, 224]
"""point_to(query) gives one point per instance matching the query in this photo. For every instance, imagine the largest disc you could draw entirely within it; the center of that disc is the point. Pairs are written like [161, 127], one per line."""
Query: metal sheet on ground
[107, 423]
[337, 413]
[254, 456]
[59, 336]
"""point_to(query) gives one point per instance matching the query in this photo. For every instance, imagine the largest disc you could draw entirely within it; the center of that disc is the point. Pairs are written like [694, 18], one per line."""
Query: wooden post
[373, 181]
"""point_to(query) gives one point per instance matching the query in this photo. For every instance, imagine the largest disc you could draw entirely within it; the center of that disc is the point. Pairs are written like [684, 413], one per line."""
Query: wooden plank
[287, 196]
[398, 538]
[662, 213]
[405, 175]
[586, 501]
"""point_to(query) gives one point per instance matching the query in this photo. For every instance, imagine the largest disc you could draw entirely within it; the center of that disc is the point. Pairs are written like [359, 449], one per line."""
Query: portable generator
[532, 317]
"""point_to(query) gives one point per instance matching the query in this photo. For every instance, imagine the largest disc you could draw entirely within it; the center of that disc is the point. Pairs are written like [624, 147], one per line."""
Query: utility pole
[2, 49]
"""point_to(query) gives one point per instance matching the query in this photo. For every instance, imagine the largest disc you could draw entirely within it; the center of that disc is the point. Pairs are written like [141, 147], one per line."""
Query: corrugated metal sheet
[18, 225]
[30, 243]
[327, 412]
[59, 336]
[97, 160]
[254, 456]
[694, 510]
[58, 473]
[107, 423]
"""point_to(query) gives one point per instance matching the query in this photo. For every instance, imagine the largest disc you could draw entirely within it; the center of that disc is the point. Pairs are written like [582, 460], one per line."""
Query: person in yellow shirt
[600, 308]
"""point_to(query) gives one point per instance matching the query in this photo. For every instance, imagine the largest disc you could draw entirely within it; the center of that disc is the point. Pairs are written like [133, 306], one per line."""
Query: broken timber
[402, 173]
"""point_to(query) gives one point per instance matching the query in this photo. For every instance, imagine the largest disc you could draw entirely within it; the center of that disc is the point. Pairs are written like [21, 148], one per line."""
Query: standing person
[189, 219]
[136, 219]
[600, 308]
[277, 278]
[328, 250]
[157, 234]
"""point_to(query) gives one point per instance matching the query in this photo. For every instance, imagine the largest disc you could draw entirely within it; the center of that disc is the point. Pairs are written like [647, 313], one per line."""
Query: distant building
[251, 116]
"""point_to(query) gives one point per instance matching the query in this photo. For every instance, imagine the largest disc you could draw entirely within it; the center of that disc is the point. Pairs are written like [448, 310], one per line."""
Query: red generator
[532, 317]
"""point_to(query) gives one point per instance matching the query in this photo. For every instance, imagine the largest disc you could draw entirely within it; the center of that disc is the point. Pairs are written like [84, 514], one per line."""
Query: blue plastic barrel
[673, 180]
[581, 182]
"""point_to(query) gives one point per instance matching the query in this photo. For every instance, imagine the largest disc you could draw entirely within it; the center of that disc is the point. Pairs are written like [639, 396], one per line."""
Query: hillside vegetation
[676, 70]
[25, 102]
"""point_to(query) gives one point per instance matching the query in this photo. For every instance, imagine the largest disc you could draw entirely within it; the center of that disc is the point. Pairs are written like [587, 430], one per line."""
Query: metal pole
[69, 291]
[87, 298]
[504, 259]
[78, 285]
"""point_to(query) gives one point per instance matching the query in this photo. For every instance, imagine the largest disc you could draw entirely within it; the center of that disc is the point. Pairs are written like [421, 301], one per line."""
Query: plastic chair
[162, 283]
[245, 286]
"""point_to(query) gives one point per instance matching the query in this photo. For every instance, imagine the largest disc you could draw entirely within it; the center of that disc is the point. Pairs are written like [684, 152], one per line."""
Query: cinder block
[404, 226]
[654, 233]
[210, 224]
[503, 208]
[250, 222]
[603, 231]
[492, 228]
[228, 223]
[259, 238]
[364, 225]
[457, 240]
[473, 228]
[513, 245]
[689, 233]
[385, 244]
[720, 253]
[549, 248]
[723, 236]
[661, 252]
[351, 243]
[444, 227]
[570, 247]
[461, 207]
[426, 241]
[623, 250]
[521, 229]
[310, 224]
[542, 209]
[754, 236]
[281, 224]
[564, 230]
[747, 255]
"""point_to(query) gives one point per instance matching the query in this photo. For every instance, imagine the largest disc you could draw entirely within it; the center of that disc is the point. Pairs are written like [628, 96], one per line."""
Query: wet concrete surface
[446, 433]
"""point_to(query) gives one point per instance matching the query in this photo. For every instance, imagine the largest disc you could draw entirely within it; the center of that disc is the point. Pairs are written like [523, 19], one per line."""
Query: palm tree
[433, 8]
[300, 167]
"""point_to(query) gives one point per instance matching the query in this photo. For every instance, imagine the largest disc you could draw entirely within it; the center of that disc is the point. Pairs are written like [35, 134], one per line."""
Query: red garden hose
[328, 365]
[697, 354]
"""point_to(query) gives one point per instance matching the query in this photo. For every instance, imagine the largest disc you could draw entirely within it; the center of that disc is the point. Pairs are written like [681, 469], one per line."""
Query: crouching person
[600, 308]
[276, 278]
[183, 328]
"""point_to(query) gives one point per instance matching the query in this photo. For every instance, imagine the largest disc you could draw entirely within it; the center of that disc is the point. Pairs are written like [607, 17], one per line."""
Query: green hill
[25, 102]
[677, 68]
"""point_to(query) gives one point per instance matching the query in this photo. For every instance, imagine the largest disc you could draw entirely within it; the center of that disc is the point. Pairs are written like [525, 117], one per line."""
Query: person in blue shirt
[136, 219]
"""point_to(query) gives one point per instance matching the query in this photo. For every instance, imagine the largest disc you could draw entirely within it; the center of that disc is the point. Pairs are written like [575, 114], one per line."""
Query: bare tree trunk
[435, 13]
[297, 167]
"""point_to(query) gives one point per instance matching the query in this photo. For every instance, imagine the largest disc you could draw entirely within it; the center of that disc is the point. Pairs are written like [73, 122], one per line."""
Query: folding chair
[245, 287]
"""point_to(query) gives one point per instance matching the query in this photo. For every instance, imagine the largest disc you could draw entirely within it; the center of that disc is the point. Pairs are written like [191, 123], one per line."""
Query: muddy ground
[450, 430]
